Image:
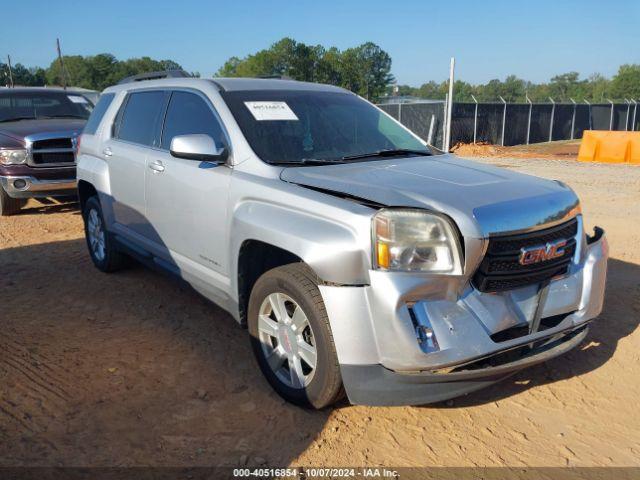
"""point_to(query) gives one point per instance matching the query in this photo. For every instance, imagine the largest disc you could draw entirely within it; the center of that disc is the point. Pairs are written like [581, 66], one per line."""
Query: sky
[534, 40]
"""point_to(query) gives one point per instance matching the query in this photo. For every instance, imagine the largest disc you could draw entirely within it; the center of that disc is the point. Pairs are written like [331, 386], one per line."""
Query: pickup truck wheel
[291, 337]
[101, 248]
[9, 205]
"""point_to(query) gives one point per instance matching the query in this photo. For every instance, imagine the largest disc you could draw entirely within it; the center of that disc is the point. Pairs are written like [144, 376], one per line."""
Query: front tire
[101, 247]
[291, 337]
[8, 205]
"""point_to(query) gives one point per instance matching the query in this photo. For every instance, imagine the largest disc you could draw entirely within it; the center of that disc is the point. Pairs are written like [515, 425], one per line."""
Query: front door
[186, 200]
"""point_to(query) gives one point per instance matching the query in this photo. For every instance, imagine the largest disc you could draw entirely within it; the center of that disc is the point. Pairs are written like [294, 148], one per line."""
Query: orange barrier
[610, 147]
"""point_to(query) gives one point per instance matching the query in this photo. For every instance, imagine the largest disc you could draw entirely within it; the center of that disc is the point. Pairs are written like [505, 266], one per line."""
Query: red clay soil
[564, 150]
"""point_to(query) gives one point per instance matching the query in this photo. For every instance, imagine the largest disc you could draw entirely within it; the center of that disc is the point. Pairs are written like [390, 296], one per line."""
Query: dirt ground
[133, 369]
[562, 150]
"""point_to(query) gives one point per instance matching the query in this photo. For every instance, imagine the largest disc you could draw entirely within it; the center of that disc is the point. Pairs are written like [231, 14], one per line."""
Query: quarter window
[98, 112]
[188, 114]
[141, 118]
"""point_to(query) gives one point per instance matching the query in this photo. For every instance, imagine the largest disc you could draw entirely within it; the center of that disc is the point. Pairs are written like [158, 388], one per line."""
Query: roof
[244, 84]
[229, 84]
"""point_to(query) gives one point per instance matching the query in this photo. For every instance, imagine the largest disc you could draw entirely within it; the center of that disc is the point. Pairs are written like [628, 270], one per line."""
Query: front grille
[52, 143]
[501, 270]
[53, 157]
[52, 151]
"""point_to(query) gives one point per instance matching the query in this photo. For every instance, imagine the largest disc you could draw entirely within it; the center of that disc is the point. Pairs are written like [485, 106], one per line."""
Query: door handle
[107, 152]
[157, 166]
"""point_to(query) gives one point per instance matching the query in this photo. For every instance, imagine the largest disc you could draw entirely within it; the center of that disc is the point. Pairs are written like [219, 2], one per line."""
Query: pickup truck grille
[501, 269]
[53, 152]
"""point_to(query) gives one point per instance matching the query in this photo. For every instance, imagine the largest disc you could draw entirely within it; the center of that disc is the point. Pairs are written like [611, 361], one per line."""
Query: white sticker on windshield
[77, 99]
[271, 111]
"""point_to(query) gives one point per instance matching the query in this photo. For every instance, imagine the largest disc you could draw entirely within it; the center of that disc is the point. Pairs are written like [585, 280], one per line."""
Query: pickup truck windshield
[25, 105]
[309, 127]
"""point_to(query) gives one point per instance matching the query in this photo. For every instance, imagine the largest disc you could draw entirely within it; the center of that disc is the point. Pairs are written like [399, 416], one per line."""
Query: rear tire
[294, 349]
[102, 249]
[8, 205]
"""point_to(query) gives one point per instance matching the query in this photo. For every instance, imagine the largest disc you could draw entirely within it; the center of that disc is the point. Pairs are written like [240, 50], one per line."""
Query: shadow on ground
[48, 206]
[129, 369]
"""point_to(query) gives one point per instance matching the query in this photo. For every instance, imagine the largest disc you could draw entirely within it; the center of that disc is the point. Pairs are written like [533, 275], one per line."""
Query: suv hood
[18, 130]
[481, 199]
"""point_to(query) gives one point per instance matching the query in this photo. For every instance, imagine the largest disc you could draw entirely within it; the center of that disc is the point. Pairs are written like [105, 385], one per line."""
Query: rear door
[187, 199]
[136, 132]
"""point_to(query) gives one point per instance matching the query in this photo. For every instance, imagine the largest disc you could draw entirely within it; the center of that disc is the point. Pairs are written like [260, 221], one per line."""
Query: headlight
[13, 157]
[415, 240]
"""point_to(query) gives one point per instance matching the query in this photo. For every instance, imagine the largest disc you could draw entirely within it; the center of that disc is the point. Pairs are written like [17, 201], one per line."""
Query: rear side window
[98, 112]
[187, 114]
[141, 118]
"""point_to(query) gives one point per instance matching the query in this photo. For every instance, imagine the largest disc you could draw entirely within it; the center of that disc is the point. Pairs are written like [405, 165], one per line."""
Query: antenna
[64, 75]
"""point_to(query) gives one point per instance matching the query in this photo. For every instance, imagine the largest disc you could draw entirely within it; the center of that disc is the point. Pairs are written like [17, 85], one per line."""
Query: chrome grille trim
[34, 153]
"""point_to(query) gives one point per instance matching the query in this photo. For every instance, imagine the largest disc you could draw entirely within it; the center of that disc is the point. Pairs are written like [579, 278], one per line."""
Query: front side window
[141, 118]
[35, 105]
[284, 126]
[188, 114]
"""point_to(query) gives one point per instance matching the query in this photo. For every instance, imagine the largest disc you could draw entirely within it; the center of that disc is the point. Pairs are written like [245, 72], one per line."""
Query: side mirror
[198, 147]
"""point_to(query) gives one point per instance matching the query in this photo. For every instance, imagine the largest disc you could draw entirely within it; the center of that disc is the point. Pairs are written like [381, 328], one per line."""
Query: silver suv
[360, 259]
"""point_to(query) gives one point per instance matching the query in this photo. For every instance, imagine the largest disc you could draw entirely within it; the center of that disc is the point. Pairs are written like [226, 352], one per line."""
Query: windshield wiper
[387, 153]
[15, 119]
[310, 161]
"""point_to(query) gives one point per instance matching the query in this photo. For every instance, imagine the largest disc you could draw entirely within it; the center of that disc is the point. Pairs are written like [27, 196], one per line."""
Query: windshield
[297, 126]
[37, 104]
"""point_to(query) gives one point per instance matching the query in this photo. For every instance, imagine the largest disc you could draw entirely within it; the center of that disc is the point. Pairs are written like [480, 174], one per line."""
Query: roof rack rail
[274, 77]
[155, 76]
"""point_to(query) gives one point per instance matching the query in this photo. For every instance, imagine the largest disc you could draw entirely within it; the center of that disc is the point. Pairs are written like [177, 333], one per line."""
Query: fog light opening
[424, 332]
[428, 339]
[20, 184]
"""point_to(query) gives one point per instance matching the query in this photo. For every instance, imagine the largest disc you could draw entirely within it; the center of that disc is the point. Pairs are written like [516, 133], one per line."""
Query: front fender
[332, 248]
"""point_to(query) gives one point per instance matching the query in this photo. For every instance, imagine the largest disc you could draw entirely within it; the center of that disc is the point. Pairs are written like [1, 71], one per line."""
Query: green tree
[626, 83]
[599, 88]
[364, 69]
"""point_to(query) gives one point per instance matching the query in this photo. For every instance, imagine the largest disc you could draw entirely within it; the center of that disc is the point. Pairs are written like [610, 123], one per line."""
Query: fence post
[504, 118]
[400, 112]
[444, 122]
[475, 120]
[633, 119]
[573, 118]
[590, 119]
[529, 119]
[611, 118]
[626, 122]
[430, 136]
[553, 113]
[450, 104]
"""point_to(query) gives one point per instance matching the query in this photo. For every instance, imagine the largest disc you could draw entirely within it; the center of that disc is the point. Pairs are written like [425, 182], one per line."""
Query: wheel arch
[85, 191]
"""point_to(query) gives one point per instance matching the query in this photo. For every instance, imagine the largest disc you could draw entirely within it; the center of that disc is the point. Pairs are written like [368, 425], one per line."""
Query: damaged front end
[435, 339]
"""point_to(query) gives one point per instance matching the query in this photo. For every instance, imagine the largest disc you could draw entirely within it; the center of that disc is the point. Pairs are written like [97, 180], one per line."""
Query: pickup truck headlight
[415, 240]
[13, 157]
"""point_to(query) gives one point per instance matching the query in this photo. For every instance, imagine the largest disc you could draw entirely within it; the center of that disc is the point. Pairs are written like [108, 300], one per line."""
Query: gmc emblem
[542, 253]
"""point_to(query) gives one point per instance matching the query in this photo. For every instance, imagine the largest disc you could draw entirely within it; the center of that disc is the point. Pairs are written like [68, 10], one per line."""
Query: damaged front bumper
[406, 340]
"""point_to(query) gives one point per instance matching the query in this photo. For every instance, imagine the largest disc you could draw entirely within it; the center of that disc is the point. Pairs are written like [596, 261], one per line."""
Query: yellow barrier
[610, 147]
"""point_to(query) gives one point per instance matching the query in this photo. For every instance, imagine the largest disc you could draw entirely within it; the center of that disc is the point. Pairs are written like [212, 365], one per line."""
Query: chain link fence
[512, 123]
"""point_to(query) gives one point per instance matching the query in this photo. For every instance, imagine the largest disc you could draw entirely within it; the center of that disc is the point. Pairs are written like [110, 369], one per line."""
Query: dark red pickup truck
[39, 128]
